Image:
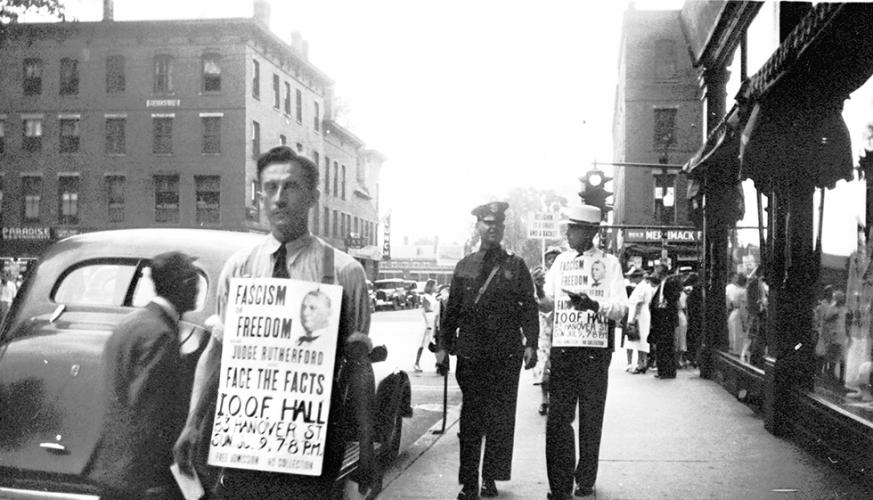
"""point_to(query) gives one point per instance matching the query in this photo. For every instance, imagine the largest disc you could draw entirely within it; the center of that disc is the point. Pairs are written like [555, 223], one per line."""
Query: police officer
[491, 325]
[585, 288]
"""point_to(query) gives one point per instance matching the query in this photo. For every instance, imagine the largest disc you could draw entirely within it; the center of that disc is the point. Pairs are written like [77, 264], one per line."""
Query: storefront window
[841, 336]
[747, 292]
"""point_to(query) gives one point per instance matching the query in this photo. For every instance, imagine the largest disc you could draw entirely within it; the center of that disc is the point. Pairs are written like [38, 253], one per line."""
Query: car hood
[51, 393]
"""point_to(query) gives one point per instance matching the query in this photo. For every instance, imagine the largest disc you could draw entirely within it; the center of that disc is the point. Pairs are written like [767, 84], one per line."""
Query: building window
[115, 198]
[665, 59]
[32, 140]
[31, 187]
[276, 91]
[69, 135]
[69, 76]
[208, 198]
[343, 192]
[283, 141]
[665, 199]
[1, 200]
[335, 179]
[327, 176]
[2, 136]
[316, 158]
[335, 229]
[211, 73]
[256, 138]
[115, 74]
[256, 79]
[253, 208]
[665, 126]
[115, 136]
[163, 66]
[316, 120]
[68, 199]
[211, 134]
[299, 147]
[32, 76]
[167, 198]
[355, 226]
[316, 212]
[287, 98]
[298, 105]
[326, 222]
[162, 135]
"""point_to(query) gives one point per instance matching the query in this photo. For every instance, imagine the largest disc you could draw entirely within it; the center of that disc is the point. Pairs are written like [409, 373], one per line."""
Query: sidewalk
[686, 438]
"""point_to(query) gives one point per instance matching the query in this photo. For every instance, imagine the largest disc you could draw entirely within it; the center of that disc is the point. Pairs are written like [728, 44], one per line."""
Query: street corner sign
[277, 365]
[544, 226]
[585, 328]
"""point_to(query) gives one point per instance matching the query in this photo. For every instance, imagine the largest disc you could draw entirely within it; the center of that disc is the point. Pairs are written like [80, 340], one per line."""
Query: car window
[145, 290]
[99, 283]
[106, 284]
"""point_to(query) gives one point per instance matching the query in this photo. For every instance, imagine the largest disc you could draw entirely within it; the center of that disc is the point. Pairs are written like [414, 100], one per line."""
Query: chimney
[261, 10]
[297, 41]
[108, 10]
[305, 50]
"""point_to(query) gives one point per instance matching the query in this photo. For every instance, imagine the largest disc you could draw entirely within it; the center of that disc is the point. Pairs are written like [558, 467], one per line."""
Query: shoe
[638, 370]
[416, 368]
[583, 491]
[555, 496]
[466, 494]
[544, 409]
[489, 489]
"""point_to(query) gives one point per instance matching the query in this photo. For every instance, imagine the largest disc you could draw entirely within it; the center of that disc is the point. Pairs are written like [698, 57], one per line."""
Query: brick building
[118, 124]
[656, 120]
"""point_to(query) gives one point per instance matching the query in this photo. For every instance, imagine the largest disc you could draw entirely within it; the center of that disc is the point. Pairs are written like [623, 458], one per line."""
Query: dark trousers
[579, 378]
[663, 328]
[489, 388]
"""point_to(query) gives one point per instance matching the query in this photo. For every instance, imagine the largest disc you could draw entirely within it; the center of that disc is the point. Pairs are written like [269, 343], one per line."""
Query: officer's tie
[280, 267]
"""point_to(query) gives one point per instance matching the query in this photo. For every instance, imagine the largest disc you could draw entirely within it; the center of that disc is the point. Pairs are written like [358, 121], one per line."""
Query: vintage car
[391, 293]
[51, 344]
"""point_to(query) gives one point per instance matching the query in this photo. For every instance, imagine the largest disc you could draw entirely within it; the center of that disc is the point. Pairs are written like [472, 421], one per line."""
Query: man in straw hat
[585, 288]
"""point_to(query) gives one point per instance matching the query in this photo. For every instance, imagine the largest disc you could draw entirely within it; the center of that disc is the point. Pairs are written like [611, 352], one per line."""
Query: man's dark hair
[168, 269]
[284, 154]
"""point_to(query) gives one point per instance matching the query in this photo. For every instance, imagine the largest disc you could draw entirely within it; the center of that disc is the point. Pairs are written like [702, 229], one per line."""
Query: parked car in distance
[51, 373]
[371, 291]
[391, 293]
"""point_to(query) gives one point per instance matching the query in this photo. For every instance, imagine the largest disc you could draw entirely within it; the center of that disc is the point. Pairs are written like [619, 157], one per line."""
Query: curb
[420, 446]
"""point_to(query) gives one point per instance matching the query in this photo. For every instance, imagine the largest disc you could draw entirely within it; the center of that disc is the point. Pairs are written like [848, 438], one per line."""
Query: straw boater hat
[583, 215]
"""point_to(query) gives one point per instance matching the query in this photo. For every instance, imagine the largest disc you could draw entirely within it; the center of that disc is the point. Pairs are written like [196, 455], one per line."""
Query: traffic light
[594, 193]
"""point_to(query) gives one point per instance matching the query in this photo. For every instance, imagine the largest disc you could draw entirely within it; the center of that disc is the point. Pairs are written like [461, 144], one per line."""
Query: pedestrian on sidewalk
[430, 310]
[639, 317]
[541, 370]
[585, 288]
[490, 306]
[665, 318]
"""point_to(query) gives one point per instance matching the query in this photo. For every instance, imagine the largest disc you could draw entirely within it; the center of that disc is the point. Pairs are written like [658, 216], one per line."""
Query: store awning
[718, 159]
[785, 139]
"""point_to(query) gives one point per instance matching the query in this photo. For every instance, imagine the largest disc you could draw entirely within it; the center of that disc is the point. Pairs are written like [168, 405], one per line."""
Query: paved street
[400, 331]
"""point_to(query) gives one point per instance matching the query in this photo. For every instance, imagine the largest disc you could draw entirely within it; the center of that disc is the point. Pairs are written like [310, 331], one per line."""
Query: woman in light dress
[736, 301]
[431, 311]
[638, 314]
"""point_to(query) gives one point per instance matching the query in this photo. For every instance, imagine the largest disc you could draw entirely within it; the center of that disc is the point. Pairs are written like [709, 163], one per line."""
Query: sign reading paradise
[276, 377]
[544, 226]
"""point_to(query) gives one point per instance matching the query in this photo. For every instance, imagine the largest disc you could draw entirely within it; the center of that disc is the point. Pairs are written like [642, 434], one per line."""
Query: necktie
[280, 268]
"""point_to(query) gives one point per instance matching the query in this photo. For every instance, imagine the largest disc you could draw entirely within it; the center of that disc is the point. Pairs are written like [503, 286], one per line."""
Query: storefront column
[714, 318]
[792, 298]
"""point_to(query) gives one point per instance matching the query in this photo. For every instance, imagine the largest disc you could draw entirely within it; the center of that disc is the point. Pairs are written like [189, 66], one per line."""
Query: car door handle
[56, 448]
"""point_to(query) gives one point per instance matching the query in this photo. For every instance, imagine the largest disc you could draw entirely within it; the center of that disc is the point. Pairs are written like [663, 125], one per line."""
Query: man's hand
[581, 302]
[183, 450]
[530, 358]
[442, 362]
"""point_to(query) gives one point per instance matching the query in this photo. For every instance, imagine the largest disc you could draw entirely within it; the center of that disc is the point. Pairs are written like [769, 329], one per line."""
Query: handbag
[632, 331]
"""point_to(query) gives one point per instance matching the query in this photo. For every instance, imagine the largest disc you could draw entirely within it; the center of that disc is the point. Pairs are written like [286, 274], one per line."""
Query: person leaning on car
[142, 368]
[288, 190]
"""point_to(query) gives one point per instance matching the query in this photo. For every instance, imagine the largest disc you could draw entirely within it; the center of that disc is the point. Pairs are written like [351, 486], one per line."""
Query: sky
[466, 99]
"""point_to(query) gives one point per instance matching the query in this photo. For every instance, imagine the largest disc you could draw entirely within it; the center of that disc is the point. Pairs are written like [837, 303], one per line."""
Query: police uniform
[582, 345]
[490, 317]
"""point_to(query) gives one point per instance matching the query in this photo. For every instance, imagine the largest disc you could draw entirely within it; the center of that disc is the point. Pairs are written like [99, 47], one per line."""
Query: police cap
[492, 211]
